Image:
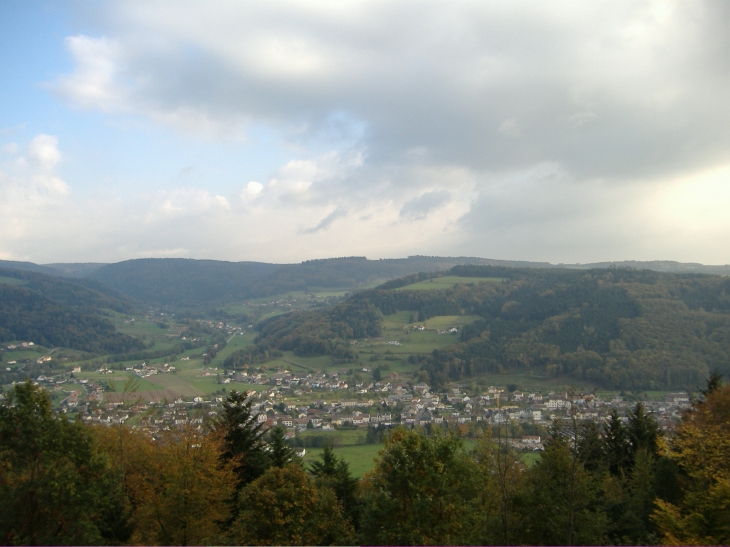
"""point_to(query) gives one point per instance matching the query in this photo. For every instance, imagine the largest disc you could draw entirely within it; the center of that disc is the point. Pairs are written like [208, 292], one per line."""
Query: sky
[282, 131]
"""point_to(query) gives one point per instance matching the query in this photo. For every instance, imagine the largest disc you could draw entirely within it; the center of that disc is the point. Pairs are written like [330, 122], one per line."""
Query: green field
[441, 322]
[530, 458]
[12, 281]
[340, 437]
[360, 457]
[447, 282]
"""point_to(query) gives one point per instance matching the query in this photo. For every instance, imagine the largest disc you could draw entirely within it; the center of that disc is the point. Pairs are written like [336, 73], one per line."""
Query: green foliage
[280, 453]
[68, 483]
[180, 281]
[83, 294]
[284, 507]
[55, 487]
[322, 332]
[243, 439]
[560, 505]
[26, 315]
[334, 473]
[701, 514]
[617, 328]
[423, 491]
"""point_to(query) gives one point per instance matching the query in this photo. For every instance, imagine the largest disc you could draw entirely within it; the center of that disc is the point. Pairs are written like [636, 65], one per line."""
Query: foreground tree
[181, 495]
[279, 451]
[700, 450]
[424, 490]
[242, 439]
[55, 486]
[561, 506]
[334, 473]
[503, 479]
[284, 507]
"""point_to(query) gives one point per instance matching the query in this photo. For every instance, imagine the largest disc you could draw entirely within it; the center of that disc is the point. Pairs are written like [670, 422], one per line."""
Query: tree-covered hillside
[86, 294]
[619, 328]
[181, 282]
[28, 316]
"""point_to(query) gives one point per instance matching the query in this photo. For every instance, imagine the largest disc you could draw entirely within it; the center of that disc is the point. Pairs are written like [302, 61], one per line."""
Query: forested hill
[179, 281]
[618, 328]
[86, 294]
[182, 282]
[52, 312]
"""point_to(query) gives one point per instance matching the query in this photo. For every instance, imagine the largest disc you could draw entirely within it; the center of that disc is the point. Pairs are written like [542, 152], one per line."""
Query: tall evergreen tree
[643, 431]
[280, 452]
[618, 449]
[334, 473]
[243, 439]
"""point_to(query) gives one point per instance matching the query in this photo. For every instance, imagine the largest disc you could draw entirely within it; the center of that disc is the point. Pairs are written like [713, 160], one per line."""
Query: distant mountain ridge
[183, 281]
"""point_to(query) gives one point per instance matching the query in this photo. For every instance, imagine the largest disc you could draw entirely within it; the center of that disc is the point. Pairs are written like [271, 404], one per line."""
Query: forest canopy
[618, 328]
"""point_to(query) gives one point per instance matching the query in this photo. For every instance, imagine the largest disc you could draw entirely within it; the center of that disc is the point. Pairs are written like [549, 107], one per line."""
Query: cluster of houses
[389, 402]
[19, 345]
[143, 369]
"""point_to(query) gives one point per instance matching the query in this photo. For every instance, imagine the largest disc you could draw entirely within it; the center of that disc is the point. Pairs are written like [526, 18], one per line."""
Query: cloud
[418, 208]
[254, 188]
[432, 76]
[566, 131]
[43, 152]
[326, 221]
[95, 82]
[509, 128]
[545, 214]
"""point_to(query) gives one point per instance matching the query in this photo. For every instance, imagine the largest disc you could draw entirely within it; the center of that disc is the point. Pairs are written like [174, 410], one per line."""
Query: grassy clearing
[237, 342]
[340, 437]
[12, 281]
[448, 321]
[530, 458]
[447, 282]
[360, 457]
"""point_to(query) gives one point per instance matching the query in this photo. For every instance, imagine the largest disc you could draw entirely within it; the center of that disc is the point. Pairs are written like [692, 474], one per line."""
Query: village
[326, 402]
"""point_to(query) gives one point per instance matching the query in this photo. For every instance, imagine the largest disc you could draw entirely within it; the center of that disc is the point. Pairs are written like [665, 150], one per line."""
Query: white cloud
[254, 188]
[565, 131]
[95, 82]
[432, 76]
[43, 152]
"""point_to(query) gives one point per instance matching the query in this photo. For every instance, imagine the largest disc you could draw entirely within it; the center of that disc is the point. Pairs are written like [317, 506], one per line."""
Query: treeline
[618, 483]
[322, 332]
[26, 315]
[618, 328]
[181, 282]
[85, 294]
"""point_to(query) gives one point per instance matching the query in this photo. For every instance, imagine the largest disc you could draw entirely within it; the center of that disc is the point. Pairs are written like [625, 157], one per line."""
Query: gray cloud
[326, 221]
[419, 207]
[458, 80]
[556, 131]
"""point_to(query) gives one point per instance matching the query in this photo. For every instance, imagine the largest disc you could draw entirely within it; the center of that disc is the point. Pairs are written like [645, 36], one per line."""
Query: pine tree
[243, 439]
[280, 453]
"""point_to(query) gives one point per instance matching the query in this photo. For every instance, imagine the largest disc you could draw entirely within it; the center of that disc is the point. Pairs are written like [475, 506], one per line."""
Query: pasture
[360, 457]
